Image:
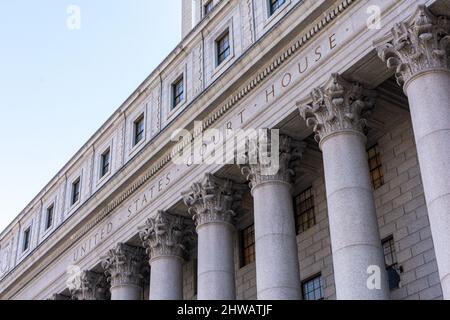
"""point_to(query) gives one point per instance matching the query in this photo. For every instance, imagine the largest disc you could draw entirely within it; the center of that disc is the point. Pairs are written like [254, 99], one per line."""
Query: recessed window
[105, 163]
[26, 239]
[312, 288]
[390, 258]
[305, 217]
[248, 245]
[49, 217]
[274, 5]
[138, 130]
[375, 166]
[177, 92]
[76, 187]
[208, 7]
[223, 47]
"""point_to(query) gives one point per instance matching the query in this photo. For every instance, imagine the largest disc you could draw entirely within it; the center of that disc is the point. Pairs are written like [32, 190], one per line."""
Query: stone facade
[151, 228]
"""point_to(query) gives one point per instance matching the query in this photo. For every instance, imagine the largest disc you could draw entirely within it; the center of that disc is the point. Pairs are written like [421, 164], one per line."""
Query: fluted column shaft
[336, 113]
[277, 265]
[210, 202]
[419, 52]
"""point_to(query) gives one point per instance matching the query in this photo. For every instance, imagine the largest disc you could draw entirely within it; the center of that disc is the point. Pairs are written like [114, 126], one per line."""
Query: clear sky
[59, 84]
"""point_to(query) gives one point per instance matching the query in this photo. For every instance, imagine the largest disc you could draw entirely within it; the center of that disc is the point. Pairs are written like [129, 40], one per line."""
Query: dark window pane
[305, 217]
[274, 5]
[223, 48]
[178, 92]
[312, 289]
[390, 259]
[138, 130]
[26, 239]
[248, 245]
[105, 162]
[375, 167]
[75, 191]
[49, 222]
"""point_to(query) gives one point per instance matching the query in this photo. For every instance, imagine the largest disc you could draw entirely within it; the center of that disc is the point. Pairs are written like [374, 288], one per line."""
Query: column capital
[212, 200]
[338, 106]
[89, 285]
[123, 265]
[417, 45]
[166, 234]
[290, 151]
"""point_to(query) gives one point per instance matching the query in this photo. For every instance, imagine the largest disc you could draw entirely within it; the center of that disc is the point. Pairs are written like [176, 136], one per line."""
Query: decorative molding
[167, 235]
[123, 265]
[89, 285]
[338, 106]
[290, 151]
[213, 200]
[420, 44]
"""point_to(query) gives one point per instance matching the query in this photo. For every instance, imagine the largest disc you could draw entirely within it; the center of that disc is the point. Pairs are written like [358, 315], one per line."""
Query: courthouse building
[359, 209]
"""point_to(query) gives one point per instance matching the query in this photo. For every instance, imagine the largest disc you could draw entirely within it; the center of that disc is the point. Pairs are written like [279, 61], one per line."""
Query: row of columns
[419, 52]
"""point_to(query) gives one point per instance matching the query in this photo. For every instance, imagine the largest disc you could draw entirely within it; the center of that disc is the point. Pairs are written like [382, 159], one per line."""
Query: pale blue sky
[58, 86]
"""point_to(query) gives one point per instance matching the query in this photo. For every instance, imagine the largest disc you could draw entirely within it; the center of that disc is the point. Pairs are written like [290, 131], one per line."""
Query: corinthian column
[210, 203]
[337, 114]
[277, 267]
[419, 50]
[123, 266]
[88, 285]
[166, 237]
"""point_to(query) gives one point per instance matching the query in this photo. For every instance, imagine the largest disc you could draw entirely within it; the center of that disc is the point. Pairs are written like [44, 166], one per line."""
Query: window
[274, 5]
[105, 161]
[390, 259]
[376, 169]
[49, 218]
[304, 211]
[223, 47]
[26, 239]
[177, 92]
[208, 7]
[76, 191]
[138, 129]
[248, 245]
[312, 288]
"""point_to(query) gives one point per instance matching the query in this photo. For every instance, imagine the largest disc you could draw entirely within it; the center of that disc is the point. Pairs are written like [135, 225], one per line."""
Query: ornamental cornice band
[290, 151]
[213, 200]
[167, 234]
[123, 265]
[337, 107]
[417, 45]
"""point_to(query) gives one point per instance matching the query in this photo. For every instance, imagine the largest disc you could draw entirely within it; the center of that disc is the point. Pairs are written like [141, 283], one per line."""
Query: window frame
[243, 247]
[376, 182]
[310, 279]
[49, 212]
[26, 240]
[393, 267]
[208, 7]
[220, 54]
[76, 184]
[138, 134]
[271, 9]
[104, 173]
[307, 211]
[177, 99]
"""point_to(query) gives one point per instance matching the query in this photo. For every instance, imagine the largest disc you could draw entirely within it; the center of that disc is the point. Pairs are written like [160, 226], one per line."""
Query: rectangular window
[138, 130]
[177, 92]
[248, 245]
[390, 258]
[223, 47]
[76, 191]
[49, 218]
[274, 5]
[105, 163]
[312, 288]
[376, 169]
[26, 239]
[208, 7]
[305, 217]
